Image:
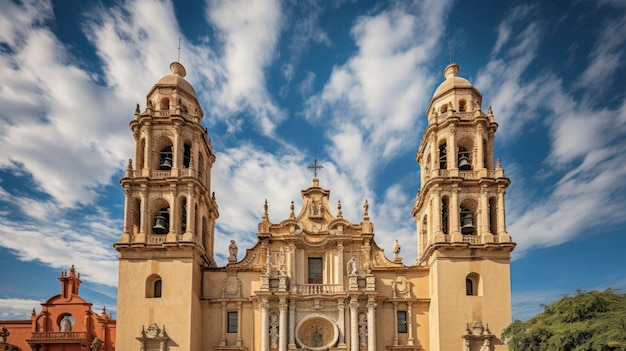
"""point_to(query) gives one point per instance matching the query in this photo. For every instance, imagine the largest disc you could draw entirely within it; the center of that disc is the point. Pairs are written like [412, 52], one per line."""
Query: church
[315, 280]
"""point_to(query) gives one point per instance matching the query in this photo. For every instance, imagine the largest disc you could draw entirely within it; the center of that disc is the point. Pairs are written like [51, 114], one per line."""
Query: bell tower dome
[459, 212]
[169, 217]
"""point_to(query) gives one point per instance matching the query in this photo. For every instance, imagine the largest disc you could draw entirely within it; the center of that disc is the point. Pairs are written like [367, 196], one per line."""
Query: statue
[282, 268]
[396, 251]
[351, 268]
[96, 345]
[66, 324]
[232, 250]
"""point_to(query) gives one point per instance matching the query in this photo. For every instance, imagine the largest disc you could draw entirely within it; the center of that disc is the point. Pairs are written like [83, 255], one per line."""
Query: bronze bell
[159, 225]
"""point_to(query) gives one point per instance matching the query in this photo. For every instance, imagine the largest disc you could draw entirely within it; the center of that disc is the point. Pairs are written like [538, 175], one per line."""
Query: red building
[66, 322]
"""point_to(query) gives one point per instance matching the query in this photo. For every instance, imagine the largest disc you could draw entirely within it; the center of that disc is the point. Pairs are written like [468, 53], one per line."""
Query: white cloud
[17, 308]
[586, 142]
[248, 31]
[374, 100]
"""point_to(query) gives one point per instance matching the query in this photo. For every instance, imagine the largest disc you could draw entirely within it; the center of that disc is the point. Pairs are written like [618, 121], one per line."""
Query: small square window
[232, 322]
[402, 328]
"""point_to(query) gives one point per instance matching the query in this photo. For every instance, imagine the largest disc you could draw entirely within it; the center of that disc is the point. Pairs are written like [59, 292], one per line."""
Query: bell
[464, 164]
[166, 163]
[159, 225]
[467, 225]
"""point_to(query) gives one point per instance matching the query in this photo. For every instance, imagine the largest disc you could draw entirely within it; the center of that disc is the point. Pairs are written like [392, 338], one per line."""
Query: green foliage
[587, 321]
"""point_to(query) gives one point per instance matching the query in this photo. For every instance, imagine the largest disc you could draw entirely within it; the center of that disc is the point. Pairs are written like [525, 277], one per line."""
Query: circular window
[317, 333]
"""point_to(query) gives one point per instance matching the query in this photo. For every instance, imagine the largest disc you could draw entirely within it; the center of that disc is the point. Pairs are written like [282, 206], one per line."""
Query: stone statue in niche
[66, 324]
[282, 268]
[351, 267]
[232, 251]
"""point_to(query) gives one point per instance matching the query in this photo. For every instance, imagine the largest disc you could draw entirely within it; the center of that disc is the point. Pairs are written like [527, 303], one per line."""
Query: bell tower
[169, 219]
[459, 212]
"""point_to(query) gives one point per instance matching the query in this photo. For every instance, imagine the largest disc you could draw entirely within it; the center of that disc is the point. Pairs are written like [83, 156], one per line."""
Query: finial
[498, 164]
[137, 109]
[339, 214]
[366, 208]
[265, 215]
[315, 166]
[490, 111]
[178, 69]
[33, 312]
[291, 213]
[178, 60]
[130, 164]
[213, 196]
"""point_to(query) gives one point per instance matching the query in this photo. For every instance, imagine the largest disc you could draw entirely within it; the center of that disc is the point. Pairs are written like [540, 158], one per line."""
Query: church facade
[315, 280]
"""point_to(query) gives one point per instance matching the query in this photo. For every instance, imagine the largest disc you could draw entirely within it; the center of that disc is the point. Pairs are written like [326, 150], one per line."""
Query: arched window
[187, 156]
[473, 285]
[158, 285]
[154, 286]
[445, 205]
[443, 159]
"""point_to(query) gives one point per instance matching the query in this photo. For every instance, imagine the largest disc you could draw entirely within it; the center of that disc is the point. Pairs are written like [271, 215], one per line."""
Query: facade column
[239, 311]
[371, 324]
[191, 213]
[224, 322]
[436, 215]
[174, 225]
[454, 211]
[176, 151]
[395, 326]
[145, 222]
[292, 260]
[434, 153]
[484, 210]
[341, 321]
[265, 337]
[452, 153]
[147, 151]
[339, 264]
[292, 318]
[128, 218]
[409, 327]
[354, 324]
[501, 212]
[282, 326]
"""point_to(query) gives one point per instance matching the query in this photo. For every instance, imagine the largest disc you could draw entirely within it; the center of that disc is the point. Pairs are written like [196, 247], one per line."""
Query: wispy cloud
[374, 100]
[586, 142]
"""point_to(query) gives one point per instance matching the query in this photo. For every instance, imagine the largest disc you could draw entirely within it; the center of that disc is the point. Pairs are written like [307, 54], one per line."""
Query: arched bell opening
[161, 217]
[165, 104]
[493, 215]
[462, 105]
[467, 217]
[163, 158]
[186, 155]
[445, 217]
[464, 159]
[183, 214]
[443, 156]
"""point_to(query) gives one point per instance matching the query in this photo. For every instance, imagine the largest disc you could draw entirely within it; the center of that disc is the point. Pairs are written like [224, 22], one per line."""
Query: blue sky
[280, 82]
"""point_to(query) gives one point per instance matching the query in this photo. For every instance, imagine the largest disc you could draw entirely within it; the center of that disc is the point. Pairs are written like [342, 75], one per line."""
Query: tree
[587, 321]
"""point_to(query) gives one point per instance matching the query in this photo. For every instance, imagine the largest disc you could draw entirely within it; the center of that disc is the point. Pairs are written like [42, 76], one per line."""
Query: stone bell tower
[459, 212]
[169, 219]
